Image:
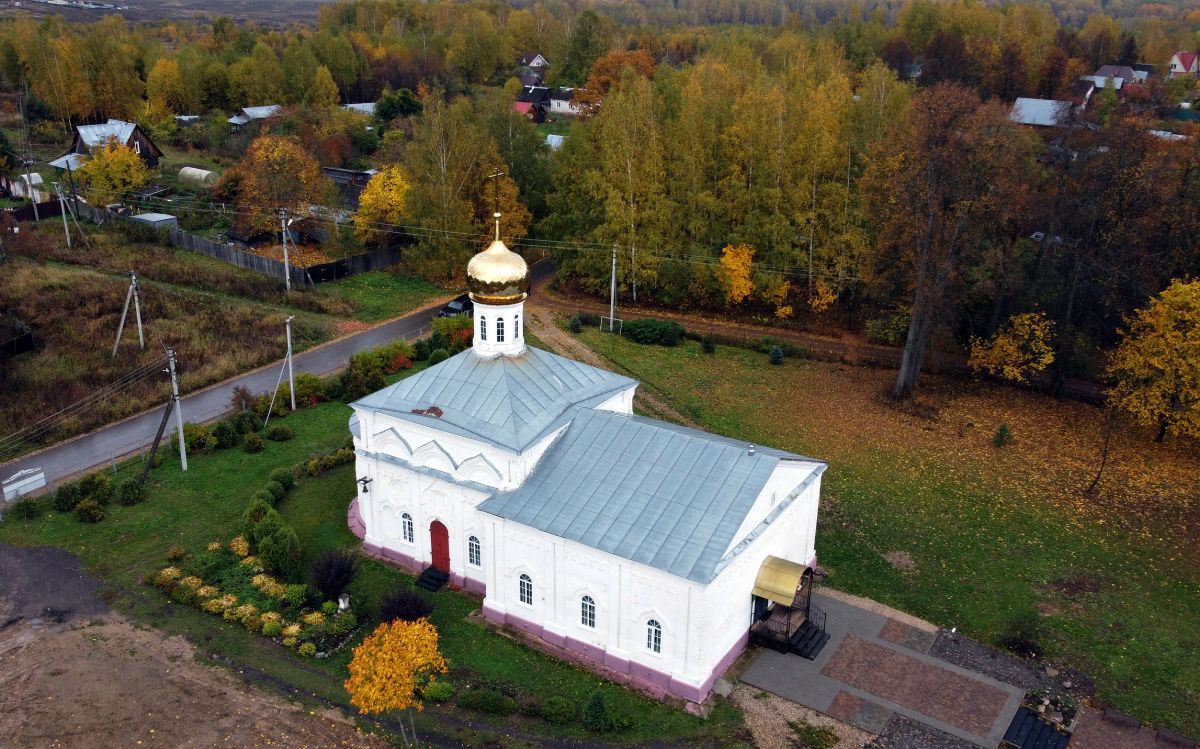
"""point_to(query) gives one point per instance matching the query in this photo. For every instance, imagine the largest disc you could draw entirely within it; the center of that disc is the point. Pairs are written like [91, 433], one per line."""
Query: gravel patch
[905, 733]
[974, 655]
[767, 718]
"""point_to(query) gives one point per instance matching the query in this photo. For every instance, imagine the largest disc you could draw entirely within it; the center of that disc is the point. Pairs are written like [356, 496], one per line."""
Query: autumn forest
[819, 165]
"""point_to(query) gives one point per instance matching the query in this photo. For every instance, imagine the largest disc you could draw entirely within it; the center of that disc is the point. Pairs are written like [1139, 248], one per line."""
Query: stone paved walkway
[874, 667]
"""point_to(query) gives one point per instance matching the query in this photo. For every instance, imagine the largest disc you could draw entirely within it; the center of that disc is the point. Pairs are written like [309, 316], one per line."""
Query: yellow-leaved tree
[1156, 367]
[277, 172]
[111, 170]
[381, 202]
[1018, 350]
[392, 663]
[735, 262]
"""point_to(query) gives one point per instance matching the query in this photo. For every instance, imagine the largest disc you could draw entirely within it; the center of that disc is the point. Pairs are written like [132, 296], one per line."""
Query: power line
[420, 232]
[40, 428]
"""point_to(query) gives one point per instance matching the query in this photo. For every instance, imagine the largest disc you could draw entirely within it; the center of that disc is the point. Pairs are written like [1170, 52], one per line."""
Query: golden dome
[497, 276]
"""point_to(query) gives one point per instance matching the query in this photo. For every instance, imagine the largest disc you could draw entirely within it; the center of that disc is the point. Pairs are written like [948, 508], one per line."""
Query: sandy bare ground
[73, 674]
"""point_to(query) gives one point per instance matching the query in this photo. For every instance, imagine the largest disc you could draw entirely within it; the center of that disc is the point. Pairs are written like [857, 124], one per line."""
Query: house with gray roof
[648, 551]
[1041, 112]
[89, 137]
[248, 115]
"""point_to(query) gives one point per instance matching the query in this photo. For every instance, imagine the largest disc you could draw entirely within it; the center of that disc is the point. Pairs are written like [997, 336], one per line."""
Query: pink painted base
[657, 684]
[402, 560]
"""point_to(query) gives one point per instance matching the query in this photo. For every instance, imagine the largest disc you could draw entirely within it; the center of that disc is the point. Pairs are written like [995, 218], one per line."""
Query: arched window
[474, 552]
[406, 527]
[482, 328]
[587, 612]
[516, 327]
[499, 330]
[526, 590]
[654, 636]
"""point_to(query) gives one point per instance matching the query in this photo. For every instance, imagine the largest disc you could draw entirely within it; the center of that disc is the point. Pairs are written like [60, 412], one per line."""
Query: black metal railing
[816, 616]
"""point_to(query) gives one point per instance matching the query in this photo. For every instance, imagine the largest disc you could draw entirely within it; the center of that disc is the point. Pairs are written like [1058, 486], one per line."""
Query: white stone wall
[792, 536]
[487, 317]
[701, 623]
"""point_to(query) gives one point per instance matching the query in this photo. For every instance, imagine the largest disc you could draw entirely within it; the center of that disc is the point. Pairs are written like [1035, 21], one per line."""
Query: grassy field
[379, 296]
[221, 320]
[927, 515]
[206, 503]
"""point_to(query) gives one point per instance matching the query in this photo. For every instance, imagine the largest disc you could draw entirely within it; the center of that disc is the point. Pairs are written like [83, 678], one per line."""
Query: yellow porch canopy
[778, 580]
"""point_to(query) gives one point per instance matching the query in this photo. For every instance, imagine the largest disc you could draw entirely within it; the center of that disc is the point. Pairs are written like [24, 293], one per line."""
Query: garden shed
[157, 220]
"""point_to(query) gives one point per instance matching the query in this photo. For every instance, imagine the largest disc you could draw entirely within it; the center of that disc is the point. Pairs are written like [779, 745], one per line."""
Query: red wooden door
[439, 539]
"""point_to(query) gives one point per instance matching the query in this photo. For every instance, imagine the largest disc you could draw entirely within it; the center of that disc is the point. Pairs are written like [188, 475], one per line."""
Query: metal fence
[266, 266]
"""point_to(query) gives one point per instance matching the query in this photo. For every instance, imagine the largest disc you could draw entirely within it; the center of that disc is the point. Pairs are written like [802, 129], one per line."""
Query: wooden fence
[33, 212]
[266, 266]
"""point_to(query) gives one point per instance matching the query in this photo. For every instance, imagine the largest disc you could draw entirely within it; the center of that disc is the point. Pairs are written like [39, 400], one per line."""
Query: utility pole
[63, 207]
[178, 407]
[137, 308]
[287, 274]
[291, 379]
[612, 293]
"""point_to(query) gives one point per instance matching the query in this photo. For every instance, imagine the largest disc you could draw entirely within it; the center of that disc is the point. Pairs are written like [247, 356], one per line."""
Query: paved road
[132, 435]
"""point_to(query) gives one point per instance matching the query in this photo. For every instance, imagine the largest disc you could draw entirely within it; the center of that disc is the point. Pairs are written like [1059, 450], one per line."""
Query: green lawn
[555, 128]
[1122, 608]
[206, 503]
[380, 295]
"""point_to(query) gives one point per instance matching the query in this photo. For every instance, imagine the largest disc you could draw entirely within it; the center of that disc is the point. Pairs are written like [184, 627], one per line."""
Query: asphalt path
[135, 434]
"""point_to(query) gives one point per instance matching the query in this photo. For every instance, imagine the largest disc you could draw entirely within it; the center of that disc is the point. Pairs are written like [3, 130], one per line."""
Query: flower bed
[226, 581]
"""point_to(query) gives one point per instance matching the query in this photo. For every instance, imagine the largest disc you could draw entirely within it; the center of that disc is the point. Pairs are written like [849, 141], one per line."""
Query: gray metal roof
[507, 401]
[659, 494]
[261, 113]
[1041, 112]
[94, 135]
[70, 161]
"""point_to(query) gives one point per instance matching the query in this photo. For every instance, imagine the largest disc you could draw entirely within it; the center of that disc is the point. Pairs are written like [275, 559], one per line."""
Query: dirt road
[74, 674]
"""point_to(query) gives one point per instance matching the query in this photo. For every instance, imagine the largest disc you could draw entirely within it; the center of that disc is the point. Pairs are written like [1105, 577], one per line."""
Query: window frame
[483, 327]
[499, 329]
[408, 529]
[587, 612]
[474, 551]
[654, 631]
[525, 589]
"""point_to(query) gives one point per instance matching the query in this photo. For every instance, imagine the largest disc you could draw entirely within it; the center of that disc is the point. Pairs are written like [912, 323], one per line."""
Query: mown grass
[993, 534]
[380, 295]
[205, 504]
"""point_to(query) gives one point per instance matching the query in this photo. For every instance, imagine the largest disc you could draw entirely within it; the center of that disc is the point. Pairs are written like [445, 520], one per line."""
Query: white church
[649, 552]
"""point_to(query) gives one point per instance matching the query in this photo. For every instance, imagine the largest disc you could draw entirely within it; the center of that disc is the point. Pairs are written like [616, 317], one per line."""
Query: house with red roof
[1184, 63]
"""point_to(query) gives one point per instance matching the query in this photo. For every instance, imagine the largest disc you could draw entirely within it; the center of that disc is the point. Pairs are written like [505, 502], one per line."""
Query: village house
[89, 137]
[562, 103]
[1184, 63]
[532, 69]
[533, 60]
[1041, 112]
[649, 552]
[247, 115]
[533, 102]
